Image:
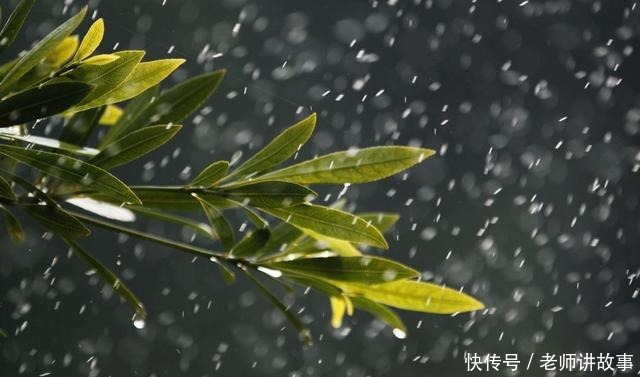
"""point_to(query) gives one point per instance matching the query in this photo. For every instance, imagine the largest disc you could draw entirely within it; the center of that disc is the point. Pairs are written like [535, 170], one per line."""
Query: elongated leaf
[340, 247]
[383, 221]
[382, 313]
[102, 59]
[338, 308]
[363, 269]
[132, 111]
[106, 77]
[144, 76]
[199, 227]
[40, 51]
[13, 225]
[211, 174]
[170, 198]
[415, 296]
[172, 106]
[249, 245]
[227, 274]
[109, 277]
[135, 145]
[5, 190]
[91, 40]
[282, 236]
[63, 52]
[78, 129]
[50, 143]
[292, 317]
[357, 166]
[58, 221]
[72, 170]
[218, 222]
[41, 102]
[269, 194]
[330, 222]
[14, 23]
[280, 149]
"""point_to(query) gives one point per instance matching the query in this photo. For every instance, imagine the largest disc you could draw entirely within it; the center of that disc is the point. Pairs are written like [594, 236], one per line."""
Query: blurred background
[531, 204]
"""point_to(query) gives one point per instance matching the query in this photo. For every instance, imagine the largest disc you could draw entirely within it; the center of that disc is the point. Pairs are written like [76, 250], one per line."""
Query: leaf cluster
[291, 240]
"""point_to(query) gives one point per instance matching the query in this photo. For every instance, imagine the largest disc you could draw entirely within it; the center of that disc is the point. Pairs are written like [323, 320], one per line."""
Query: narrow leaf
[134, 145]
[172, 106]
[40, 51]
[109, 277]
[78, 129]
[63, 52]
[101, 59]
[144, 76]
[111, 115]
[292, 317]
[363, 269]
[280, 149]
[382, 313]
[415, 296]
[13, 225]
[249, 245]
[72, 170]
[130, 116]
[353, 166]
[50, 143]
[227, 274]
[338, 308]
[211, 174]
[330, 222]
[269, 194]
[106, 77]
[55, 219]
[5, 191]
[199, 227]
[91, 40]
[220, 225]
[41, 102]
[383, 221]
[14, 23]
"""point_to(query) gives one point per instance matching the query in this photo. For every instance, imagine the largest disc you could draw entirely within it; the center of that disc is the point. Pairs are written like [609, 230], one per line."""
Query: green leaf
[40, 51]
[62, 53]
[280, 149]
[383, 221]
[73, 171]
[211, 174]
[41, 102]
[109, 277]
[91, 40]
[101, 59]
[227, 274]
[416, 296]
[132, 111]
[172, 106]
[292, 317]
[106, 77]
[330, 222]
[340, 247]
[55, 144]
[362, 269]
[14, 23]
[250, 244]
[218, 222]
[3, 333]
[78, 129]
[144, 76]
[5, 190]
[134, 145]
[282, 236]
[14, 228]
[56, 220]
[382, 313]
[269, 194]
[199, 227]
[353, 166]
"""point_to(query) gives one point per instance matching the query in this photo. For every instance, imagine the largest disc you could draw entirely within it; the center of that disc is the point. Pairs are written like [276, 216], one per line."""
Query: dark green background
[479, 98]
